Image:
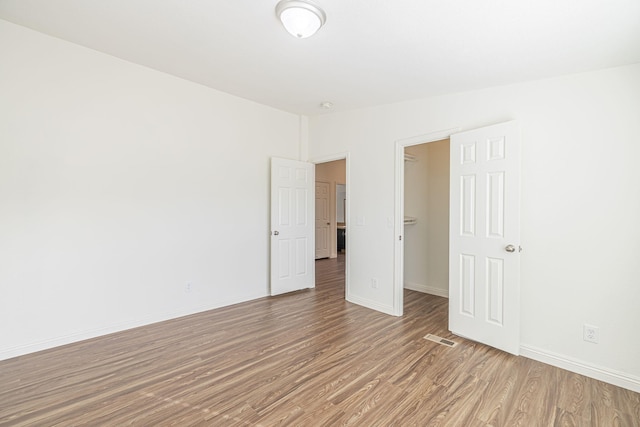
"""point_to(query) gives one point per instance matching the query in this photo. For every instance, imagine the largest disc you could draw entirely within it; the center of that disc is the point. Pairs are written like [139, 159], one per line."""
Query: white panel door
[484, 256]
[292, 225]
[323, 220]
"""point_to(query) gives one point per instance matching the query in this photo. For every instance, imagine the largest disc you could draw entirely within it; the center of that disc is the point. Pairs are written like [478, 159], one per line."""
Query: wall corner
[303, 138]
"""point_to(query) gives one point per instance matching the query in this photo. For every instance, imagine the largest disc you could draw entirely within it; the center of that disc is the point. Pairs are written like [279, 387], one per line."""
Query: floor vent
[440, 340]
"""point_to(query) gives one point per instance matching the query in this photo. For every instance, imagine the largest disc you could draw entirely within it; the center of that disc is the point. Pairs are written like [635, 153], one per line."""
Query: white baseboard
[10, 352]
[373, 305]
[619, 379]
[427, 289]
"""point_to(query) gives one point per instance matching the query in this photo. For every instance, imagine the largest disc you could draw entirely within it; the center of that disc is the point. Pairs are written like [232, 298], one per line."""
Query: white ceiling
[370, 52]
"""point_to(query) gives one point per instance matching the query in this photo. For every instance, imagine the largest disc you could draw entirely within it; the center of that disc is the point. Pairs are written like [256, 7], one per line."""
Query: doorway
[484, 232]
[323, 219]
[426, 218]
[403, 159]
[332, 174]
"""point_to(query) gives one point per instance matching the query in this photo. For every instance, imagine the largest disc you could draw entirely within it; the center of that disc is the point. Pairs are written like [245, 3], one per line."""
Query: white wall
[580, 204]
[426, 198]
[118, 186]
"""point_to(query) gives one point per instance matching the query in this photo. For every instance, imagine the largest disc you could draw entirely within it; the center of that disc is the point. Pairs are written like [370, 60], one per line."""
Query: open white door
[484, 228]
[292, 225]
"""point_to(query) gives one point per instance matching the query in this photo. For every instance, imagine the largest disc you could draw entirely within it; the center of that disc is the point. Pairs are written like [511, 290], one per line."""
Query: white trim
[331, 158]
[425, 289]
[373, 305]
[610, 376]
[398, 256]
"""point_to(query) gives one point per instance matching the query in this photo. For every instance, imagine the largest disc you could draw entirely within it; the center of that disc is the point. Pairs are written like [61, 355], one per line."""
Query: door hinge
[399, 237]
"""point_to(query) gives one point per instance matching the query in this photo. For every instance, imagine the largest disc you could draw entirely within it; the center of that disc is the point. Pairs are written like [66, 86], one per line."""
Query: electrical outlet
[590, 333]
[188, 287]
[374, 283]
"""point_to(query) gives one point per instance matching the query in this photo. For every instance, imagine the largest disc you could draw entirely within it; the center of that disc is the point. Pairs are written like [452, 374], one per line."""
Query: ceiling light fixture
[300, 17]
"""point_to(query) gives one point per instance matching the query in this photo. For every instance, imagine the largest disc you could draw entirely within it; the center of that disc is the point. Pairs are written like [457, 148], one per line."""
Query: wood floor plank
[308, 358]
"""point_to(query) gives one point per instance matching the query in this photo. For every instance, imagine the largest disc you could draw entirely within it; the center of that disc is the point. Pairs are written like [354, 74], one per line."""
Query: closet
[426, 220]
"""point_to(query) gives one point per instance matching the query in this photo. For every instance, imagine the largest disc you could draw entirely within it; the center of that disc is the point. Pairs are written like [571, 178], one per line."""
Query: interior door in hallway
[323, 220]
[292, 227]
[484, 256]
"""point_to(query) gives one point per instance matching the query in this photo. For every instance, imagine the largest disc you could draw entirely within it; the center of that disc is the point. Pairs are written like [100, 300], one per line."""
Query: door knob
[510, 248]
[328, 223]
[275, 233]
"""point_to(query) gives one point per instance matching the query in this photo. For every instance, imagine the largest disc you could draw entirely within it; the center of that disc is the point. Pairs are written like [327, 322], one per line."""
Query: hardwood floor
[309, 359]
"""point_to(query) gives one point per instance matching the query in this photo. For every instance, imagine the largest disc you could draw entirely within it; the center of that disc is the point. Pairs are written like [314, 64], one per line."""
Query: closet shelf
[409, 220]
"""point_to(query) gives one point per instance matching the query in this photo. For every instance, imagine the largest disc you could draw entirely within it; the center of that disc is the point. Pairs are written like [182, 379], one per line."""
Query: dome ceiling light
[300, 17]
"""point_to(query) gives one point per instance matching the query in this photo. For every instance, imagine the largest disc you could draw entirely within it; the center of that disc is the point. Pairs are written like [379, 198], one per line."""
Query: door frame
[330, 158]
[398, 279]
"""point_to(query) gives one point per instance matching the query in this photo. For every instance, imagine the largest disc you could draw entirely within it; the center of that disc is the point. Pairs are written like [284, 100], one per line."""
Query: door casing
[346, 157]
[398, 281]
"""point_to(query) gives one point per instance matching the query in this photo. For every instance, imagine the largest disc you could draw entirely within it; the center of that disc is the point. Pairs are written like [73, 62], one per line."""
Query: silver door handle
[510, 248]
[275, 233]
